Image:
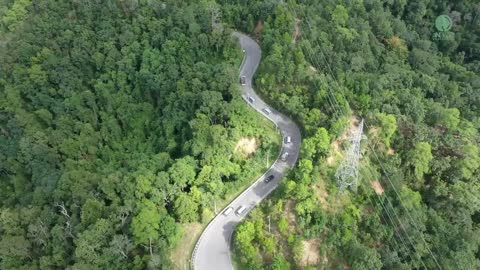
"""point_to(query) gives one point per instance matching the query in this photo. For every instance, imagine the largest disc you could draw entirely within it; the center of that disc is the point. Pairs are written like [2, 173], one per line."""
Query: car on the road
[284, 156]
[288, 139]
[251, 99]
[228, 211]
[241, 210]
[267, 110]
[243, 80]
[269, 178]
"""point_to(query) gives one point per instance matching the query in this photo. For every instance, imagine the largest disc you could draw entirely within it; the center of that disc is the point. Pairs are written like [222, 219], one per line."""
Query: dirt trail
[296, 33]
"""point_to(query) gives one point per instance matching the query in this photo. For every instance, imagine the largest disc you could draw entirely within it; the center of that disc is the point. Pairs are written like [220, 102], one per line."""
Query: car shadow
[228, 231]
[262, 188]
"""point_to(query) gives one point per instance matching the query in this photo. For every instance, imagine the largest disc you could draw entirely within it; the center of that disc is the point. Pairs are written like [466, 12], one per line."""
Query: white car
[241, 210]
[228, 211]
[284, 156]
[267, 110]
[251, 99]
[288, 139]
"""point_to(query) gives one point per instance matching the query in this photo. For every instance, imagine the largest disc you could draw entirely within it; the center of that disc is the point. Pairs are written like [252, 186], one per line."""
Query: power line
[395, 229]
[376, 156]
[393, 241]
[403, 205]
[347, 172]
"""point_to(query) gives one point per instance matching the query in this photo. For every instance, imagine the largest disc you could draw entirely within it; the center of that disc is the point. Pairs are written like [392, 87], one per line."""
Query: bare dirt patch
[181, 254]
[296, 32]
[246, 146]
[374, 131]
[331, 204]
[321, 194]
[354, 122]
[336, 152]
[311, 254]
[289, 204]
[337, 203]
[377, 187]
[257, 31]
[330, 160]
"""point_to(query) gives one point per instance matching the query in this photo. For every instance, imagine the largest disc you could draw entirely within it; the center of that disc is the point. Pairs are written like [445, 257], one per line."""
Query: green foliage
[280, 263]
[470, 161]
[14, 16]
[283, 226]
[364, 257]
[113, 128]
[419, 97]
[298, 251]
[185, 208]
[420, 158]
[388, 125]
[316, 146]
[290, 187]
[446, 117]
[146, 223]
[244, 235]
[118, 127]
[340, 15]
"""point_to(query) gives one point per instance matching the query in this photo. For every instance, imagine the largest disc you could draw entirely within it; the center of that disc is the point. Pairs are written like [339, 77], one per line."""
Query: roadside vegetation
[328, 63]
[257, 161]
[121, 122]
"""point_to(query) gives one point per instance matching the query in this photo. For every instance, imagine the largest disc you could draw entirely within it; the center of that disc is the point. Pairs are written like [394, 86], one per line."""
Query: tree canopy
[330, 63]
[118, 123]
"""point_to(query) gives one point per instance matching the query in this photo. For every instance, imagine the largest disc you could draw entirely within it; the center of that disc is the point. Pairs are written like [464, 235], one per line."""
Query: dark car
[269, 178]
[243, 80]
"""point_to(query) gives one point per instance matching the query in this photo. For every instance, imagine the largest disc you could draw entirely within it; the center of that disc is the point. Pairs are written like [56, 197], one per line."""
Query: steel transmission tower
[347, 172]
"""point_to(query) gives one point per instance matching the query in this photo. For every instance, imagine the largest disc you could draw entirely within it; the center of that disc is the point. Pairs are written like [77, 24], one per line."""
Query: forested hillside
[118, 122]
[330, 63]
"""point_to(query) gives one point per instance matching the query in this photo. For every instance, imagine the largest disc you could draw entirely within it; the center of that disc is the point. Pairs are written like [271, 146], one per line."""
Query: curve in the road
[212, 251]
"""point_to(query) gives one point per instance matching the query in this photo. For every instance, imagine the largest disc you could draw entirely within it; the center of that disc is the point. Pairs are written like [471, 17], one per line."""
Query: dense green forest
[118, 122]
[329, 63]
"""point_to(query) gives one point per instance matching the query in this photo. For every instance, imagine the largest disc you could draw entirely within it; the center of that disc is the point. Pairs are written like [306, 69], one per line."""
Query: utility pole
[268, 223]
[268, 156]
[347, 172]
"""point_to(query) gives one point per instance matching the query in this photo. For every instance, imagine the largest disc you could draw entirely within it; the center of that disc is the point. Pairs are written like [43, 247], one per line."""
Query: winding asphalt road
[212, 251]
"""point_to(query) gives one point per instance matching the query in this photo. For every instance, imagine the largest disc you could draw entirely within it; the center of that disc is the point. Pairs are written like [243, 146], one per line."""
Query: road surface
[212, 251]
